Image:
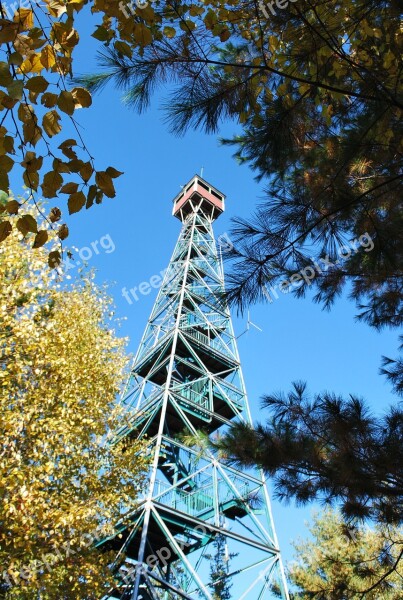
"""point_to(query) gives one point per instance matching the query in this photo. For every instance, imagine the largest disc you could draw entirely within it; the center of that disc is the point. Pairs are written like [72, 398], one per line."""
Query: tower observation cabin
[198, 194]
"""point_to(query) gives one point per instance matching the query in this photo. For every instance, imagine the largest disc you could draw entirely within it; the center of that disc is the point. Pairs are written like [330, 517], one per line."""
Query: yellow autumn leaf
[142, 34]
[105, 183]
[51, 183]
[54, 214]
[37, 84]
[31, 179]
[5, 230]
[114, 172]
[31, 132]
[169, 32]
[24, 18]
[47, 57]
[86, 171]
[32, 162]
[63, 232]
[75, 202]
[33, 64]
[6, 163]
[66, 102]
[49, 99]
[69, 188]
[54, 259]
[82, 98]
[56, 8]
[51, 123]
[12, 207]
[40, 239]
[27, 224]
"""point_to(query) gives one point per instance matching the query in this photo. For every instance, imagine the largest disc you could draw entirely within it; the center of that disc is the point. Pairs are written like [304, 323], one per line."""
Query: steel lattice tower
[186, 384]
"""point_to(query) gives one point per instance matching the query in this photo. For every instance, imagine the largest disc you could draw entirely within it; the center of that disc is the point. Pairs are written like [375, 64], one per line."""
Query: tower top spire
[198, 194]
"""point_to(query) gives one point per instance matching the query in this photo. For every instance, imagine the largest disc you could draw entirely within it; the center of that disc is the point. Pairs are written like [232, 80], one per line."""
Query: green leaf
[142, 34]
[4, 181]
[6, 78]
[15, 58]
[225, 35]
[187, 25]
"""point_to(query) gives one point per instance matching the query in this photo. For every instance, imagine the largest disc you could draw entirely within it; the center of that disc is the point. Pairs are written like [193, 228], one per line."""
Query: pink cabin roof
[198, 192]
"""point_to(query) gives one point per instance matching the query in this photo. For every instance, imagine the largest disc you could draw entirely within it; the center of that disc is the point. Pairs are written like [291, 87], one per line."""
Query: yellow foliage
[61, 483]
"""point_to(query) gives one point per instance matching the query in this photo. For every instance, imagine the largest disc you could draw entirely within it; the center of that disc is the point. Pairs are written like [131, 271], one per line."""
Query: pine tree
[219, 569]
[326, 448]
[321, 123]
[341, 562]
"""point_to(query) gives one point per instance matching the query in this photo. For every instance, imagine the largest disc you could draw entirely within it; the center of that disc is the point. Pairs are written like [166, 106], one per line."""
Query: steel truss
[186, 383]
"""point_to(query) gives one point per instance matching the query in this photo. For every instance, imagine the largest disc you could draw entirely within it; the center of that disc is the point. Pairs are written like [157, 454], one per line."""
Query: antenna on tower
[248, 325]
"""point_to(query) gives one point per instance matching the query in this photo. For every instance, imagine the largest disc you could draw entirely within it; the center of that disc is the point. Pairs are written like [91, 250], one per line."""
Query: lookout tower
[198, 195]
[186, 385]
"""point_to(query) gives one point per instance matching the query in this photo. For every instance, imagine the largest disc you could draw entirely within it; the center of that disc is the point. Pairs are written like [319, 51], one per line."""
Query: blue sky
[298, 341]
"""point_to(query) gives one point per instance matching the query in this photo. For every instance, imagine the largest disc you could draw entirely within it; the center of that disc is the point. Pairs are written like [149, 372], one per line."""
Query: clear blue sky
[298, 340]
